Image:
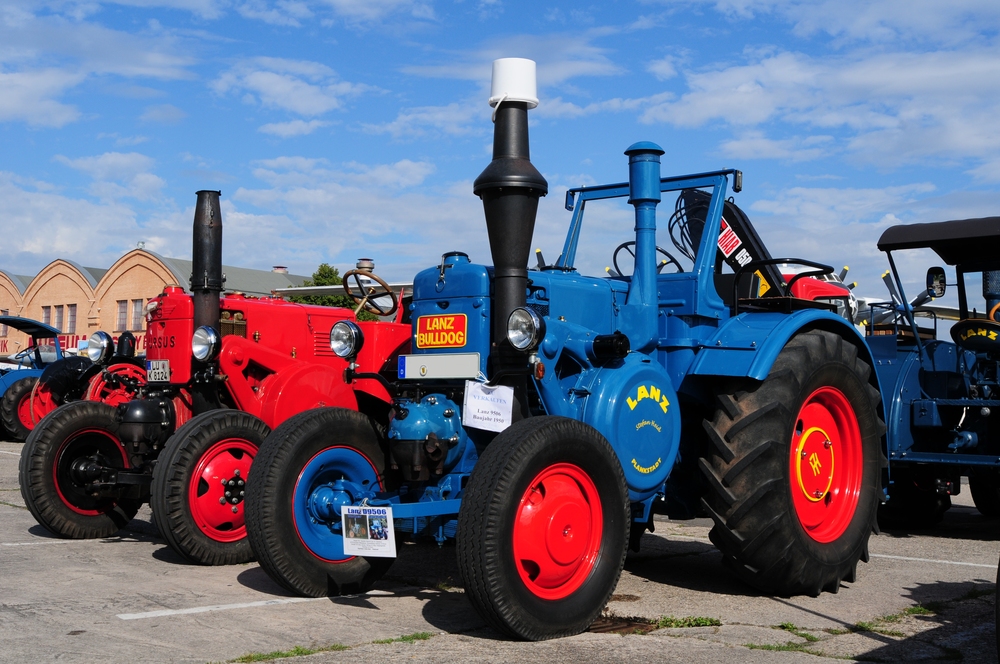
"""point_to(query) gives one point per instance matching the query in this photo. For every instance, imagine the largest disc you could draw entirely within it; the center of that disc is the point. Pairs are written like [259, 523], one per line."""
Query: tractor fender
[633, 404]
[747, 345]
[68, 377]
[300, 387]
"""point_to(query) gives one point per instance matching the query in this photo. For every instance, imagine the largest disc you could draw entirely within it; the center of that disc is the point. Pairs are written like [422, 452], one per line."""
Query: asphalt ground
[926, 596]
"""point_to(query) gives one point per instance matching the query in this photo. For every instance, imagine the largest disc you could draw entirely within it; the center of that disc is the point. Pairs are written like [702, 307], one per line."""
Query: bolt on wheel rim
[218, 487]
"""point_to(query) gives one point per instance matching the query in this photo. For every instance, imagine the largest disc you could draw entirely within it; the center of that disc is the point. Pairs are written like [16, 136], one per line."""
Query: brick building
[80, 300]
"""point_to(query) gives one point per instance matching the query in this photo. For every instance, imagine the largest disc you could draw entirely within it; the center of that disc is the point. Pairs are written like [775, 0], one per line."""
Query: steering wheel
[627, 246]
[367, 294]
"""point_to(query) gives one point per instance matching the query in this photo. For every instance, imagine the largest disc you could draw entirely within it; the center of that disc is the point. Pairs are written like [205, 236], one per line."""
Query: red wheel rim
[221, 470]
[42, 404]
[557, 531]
[115, 393]
[84, 443]
[826, 464]
[24, 411]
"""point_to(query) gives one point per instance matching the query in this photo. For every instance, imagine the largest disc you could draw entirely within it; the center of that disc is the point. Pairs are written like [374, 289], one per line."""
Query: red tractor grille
[321, 344]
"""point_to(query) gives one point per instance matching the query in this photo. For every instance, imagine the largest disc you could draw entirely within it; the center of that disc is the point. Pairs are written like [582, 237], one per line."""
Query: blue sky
[342, 128]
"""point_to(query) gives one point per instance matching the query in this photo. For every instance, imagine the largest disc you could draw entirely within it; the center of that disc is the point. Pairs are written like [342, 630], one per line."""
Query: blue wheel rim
[334, 476]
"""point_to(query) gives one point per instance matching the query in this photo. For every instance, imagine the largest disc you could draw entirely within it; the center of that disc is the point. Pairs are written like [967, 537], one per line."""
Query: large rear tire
[15, 408]
[199, 484]
[984, 483]
[794, 470]
[51, 487]
[543, 528]
[308, 466]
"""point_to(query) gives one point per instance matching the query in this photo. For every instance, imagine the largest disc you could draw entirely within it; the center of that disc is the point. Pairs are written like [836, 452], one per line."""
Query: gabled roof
[238, 279]
[19, 280]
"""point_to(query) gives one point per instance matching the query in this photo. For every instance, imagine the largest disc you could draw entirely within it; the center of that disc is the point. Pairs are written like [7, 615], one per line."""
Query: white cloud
[952, 22]
[457, 119]
[663, 69]
[283, 13]
[560, 57]
[754, 145]
[42, 225]
[163, 113]
[557, 108]
[293, 128]
[298, 86]
[118, 175]
[895, 107]
[357, 11]
[30, 97]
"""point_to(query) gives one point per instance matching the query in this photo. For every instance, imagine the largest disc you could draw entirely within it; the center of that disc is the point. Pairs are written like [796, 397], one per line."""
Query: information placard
[368, 531]
[488, 408]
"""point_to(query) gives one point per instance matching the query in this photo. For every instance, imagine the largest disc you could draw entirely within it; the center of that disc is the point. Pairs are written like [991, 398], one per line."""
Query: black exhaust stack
[206, 260]
[510, 188]
[206, 287]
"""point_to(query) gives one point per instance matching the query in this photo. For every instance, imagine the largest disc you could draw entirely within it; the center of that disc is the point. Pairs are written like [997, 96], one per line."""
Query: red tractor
[73, 378]
[221, 373]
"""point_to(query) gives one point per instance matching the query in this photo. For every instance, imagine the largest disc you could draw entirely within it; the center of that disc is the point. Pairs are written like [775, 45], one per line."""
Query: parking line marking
[35, 543]
[931, 560]
[10, 453]
[216, 607]
[242, 605]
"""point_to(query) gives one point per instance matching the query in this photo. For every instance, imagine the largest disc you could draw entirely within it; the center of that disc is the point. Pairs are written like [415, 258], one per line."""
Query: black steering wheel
[367, 295]
[628, 246]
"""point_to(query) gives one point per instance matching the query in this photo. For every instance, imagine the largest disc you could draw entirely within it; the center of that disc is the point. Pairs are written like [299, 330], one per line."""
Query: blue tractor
[543, 416]
[20, 373]
[940, 394]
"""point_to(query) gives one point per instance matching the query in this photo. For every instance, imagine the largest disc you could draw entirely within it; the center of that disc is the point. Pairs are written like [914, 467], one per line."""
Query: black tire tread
[754, 525]
[267, 512]
[35, 474]
[19, 389]
[479, 541]
[172, 475]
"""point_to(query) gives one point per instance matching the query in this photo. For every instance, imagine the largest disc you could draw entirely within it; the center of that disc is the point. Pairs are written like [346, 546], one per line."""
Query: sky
[337, 129]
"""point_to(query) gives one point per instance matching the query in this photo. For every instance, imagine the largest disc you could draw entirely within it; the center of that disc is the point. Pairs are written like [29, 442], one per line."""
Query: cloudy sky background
[341, 128]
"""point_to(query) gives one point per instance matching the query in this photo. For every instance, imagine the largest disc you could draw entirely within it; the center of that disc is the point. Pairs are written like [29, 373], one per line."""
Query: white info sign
[488, 408]
[368, 531]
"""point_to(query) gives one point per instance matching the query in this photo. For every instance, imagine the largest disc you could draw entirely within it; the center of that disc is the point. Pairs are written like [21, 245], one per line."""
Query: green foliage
[297, 651]
[407, 638]
[327, 275]
[688, 621]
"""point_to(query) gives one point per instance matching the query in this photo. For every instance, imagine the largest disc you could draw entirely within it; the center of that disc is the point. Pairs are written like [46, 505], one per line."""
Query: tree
[327, 275]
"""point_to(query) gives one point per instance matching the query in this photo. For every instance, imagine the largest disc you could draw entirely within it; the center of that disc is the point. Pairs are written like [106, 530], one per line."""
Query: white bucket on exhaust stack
[514, 80]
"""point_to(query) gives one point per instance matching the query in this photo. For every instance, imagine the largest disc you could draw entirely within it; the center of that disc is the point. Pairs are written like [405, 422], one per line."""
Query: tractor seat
[977, 335]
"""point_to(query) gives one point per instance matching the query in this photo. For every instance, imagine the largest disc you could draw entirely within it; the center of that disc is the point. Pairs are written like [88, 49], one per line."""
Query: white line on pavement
[10, 453]
[217, 607]
[242, 605]
[930, 560]
[35, 543]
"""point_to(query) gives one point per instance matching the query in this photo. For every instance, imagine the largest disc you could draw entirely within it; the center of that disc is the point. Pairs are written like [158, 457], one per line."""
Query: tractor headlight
[525, 329]
[205, 344]
[100, 347]
[346, 339]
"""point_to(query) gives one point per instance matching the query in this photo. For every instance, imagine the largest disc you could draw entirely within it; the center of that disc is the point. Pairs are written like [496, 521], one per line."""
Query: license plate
[158, 371]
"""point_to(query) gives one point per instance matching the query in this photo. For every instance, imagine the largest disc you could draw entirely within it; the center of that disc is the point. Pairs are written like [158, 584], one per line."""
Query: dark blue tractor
[940, 394]
[19, 372]
[544, 416]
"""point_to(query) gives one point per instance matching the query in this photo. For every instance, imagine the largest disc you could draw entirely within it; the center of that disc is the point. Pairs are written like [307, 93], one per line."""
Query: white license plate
[158, 371]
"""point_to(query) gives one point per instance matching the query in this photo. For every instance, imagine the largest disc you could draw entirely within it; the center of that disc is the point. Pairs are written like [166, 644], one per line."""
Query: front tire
[15, 409]
[794, 469]
[310, 465]
[543, 528]
[51, 487]
[199, 483]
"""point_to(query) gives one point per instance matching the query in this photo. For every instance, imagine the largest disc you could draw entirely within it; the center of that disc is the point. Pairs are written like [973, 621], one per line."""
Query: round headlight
[346, 339]
[205, 344]
[100, 347]
[525, 329]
